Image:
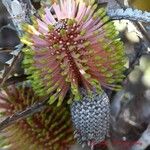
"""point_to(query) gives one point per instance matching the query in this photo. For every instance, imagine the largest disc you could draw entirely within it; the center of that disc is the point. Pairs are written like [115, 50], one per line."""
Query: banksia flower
[50, 129]
[91, 118]
[72, 45]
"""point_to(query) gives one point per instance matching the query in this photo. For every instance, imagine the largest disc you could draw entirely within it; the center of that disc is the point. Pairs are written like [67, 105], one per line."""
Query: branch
[130, 14]
[6, 75]
[14, 80]
[144, 140]
[12, 62]
[135, 61]
[37, 107]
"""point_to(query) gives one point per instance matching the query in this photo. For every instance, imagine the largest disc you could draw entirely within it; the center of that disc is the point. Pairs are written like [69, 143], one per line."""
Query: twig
[14, 80]
[16, 55]
[144, 32]
[144, 140]
[135, 61]
[2, 50]
[37, 107]
[10, 70]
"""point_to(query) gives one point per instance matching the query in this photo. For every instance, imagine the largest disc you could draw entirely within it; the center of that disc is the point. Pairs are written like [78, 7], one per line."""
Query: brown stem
[14, 80]
[10, 70]
[37, 107]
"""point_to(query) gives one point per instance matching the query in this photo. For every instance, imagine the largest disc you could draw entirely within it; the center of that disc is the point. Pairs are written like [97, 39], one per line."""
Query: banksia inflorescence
[50, 129]
[91, 118]
[72, 44]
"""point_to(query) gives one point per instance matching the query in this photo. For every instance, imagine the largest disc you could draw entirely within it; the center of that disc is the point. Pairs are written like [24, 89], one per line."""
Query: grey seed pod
[91, 118]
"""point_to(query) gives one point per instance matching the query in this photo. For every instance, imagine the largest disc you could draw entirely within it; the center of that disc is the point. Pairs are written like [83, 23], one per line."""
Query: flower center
[64, 41]
[64, 36]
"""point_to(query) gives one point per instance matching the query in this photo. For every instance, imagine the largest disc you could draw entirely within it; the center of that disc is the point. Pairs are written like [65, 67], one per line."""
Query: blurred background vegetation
[140, 4]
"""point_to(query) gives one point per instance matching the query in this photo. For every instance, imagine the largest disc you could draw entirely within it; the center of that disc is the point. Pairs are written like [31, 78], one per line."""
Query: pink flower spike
[77, 48]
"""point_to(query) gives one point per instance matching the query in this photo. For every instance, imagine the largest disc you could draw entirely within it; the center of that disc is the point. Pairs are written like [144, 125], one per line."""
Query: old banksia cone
[91, 118]
[72, 44]
[50, 129]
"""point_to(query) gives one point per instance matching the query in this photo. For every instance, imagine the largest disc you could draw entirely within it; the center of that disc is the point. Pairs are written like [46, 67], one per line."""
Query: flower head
[50, 129]
[72, 45]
